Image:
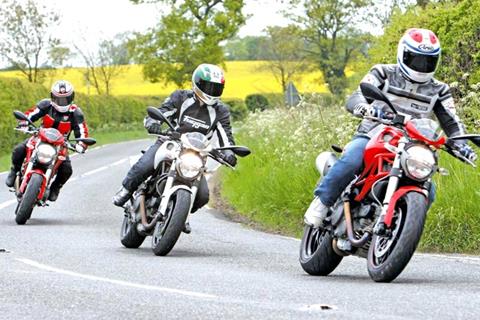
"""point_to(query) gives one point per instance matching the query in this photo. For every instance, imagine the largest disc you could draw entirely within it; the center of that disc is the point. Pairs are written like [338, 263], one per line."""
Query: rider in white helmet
[410, 85]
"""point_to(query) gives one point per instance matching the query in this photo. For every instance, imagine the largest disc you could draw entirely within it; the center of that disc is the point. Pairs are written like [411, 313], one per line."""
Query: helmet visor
[420, 62]
[212, 89]
[62, 101]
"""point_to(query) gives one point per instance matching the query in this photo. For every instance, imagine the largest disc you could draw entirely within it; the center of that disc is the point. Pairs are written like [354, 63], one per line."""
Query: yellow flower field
[242, 78]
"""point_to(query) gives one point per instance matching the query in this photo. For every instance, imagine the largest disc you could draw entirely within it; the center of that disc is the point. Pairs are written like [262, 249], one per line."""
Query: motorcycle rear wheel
[29, 199]
[387, 257]
[317, 257]
[167, 232]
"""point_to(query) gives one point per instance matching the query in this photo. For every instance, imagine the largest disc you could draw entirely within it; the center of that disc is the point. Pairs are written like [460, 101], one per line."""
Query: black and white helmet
[62, 95]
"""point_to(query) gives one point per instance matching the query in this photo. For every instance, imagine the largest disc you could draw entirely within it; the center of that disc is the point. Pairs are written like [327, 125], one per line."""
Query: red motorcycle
[381, 214]
[46, 150]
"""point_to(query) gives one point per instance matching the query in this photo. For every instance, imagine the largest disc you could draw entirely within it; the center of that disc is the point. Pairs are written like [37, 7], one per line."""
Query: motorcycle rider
[196, 110]
[58, 112]
[410, 85]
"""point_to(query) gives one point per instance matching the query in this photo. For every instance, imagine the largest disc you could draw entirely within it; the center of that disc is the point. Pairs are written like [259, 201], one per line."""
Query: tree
[106, 64]
[188, 36]
[25, 36]
[285, 49]
[332, 41]
[247, 48]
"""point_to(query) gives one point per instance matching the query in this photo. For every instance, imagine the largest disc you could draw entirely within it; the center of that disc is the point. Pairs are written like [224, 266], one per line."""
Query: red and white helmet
[62, 95]
[418, 54]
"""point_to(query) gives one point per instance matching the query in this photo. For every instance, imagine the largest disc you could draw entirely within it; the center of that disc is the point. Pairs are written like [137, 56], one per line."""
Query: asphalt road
[68, 263]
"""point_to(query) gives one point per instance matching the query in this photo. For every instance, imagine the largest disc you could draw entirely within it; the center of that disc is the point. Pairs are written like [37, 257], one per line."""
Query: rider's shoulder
[440, 86]
[180, 95]
[381, 70]
[222, 107]
[44, 104]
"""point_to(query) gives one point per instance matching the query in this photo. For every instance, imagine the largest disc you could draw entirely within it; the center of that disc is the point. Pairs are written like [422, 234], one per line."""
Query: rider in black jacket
[197, 110]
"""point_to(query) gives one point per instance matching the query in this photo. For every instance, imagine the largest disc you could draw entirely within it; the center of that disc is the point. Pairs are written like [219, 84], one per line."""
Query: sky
[86, 23]
[102, 19]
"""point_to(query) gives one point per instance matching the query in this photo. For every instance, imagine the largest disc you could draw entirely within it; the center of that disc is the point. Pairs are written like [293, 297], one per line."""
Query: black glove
[229, 157]
[467, 152]
[154, 128]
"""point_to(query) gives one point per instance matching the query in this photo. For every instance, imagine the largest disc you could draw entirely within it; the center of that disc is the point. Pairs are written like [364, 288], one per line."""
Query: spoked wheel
[316, 252]
[389, 255]
[168, 230]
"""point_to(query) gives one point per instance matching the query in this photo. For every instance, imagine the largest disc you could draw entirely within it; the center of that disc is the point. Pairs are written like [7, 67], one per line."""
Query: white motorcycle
[161, 205]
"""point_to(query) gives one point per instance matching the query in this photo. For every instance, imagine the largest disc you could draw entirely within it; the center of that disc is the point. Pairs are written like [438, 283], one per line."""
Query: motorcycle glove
[79, 148]
[363, 109]
[230, 157]
[467, 152]
[154, 128]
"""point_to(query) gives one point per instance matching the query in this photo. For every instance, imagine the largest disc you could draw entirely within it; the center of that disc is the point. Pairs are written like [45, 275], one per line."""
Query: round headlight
[419, 162]
[190, 164]
[45, 153]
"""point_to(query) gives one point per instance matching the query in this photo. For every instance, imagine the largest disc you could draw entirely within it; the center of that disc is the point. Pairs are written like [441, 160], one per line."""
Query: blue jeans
[344, 171]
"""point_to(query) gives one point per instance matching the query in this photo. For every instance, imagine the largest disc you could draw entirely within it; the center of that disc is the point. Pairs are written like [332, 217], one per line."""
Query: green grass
[102, 137]
[274, 185]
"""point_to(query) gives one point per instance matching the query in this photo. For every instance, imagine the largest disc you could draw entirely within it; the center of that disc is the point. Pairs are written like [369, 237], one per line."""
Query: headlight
[45, 153]
[418, 162]
[190, 164]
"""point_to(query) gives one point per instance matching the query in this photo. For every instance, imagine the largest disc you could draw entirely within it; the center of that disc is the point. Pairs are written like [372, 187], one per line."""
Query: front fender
[168, 193]
[396, 196]
[26, 179]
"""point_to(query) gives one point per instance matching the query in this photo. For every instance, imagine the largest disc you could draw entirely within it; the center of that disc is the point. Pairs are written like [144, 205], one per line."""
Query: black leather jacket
[183, 109]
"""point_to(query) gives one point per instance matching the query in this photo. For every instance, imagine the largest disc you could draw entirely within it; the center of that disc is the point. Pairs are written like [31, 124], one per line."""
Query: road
[68, 263]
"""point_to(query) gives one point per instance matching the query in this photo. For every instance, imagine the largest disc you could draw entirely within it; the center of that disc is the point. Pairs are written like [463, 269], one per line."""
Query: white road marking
[7, 203]
[2, 173]
[118, 162]
[116, 282]
[89, 173]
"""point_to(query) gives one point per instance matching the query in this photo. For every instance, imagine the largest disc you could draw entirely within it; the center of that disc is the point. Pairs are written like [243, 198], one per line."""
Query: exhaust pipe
[145, 226]
[351, 236]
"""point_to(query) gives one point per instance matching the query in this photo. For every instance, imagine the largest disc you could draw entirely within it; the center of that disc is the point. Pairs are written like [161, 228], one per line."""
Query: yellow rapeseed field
[242, 78]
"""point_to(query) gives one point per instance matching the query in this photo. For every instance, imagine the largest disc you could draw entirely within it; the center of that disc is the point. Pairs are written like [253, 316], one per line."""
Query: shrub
[256, 102]
[238, 110]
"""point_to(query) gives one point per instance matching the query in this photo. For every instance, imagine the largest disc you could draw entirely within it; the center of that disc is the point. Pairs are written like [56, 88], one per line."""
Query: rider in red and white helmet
[418, 54]
[410, 85]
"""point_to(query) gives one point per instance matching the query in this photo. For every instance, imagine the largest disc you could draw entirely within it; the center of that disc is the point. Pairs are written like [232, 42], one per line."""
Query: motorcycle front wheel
[389, 255]
[168, 230]
[29, 199]
[129, 236]
[317, 257]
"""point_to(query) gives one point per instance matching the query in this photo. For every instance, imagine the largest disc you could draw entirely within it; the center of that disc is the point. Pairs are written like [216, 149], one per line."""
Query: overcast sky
[98, 19]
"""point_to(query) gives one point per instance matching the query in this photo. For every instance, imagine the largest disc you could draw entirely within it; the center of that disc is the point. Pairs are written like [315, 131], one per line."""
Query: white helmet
[418, 54]
[208, 82]
[62, 95]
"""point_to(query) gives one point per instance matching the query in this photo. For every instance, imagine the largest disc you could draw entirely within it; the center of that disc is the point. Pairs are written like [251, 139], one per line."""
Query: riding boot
[54, 192]
[10, 180]
[122, 196]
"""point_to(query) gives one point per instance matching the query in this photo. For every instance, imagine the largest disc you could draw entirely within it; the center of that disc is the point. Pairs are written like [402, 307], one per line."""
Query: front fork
[380, 227]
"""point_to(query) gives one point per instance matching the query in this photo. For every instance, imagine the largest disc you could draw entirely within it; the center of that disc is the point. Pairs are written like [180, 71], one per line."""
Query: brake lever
[459, 156]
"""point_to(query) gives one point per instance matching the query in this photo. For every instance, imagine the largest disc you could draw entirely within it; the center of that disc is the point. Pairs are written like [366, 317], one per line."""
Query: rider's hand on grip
[467, 152]
[230, 157]
[79, 148]
[154, 128]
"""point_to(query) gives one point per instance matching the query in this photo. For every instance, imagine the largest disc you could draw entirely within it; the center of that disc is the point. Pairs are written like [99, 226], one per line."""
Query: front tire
[317, 257]
[29, 199]
[167, 232]
[129, 236]
[387, 257]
